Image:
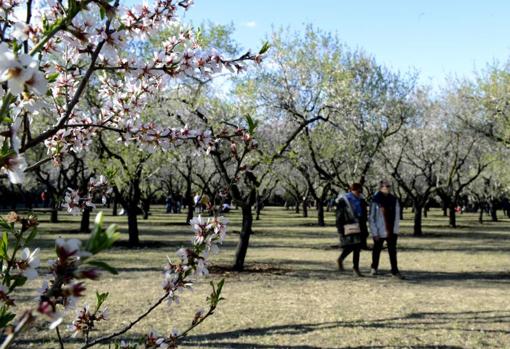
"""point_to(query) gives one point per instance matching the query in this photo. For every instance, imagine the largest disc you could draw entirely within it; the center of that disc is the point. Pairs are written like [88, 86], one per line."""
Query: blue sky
[438, 38]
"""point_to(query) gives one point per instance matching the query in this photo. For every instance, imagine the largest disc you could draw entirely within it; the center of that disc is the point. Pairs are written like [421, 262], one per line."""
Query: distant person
[44, 198]
[351, 224]
[225, 207]
[205, 202]
[196, 201]
[384, 226]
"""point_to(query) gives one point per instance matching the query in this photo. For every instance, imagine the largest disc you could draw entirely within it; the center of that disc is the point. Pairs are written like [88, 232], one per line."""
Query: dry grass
[456, 294]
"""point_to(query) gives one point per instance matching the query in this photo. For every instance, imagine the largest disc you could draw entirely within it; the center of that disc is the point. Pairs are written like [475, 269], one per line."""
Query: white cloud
[250, 24]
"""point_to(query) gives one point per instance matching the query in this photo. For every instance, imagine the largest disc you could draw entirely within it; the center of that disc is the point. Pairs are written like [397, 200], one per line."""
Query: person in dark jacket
[351, 224]
[384, 226]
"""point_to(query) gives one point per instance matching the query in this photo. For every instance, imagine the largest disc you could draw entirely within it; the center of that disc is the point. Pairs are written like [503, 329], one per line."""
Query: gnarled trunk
[244, 237]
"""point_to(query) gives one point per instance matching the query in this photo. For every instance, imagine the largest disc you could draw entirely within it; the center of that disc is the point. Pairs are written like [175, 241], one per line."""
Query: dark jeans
[392, 251]
[355, 249]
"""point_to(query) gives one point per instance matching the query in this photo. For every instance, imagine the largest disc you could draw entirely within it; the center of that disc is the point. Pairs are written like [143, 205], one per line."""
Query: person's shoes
[357, 273]
[399, 276]
[373, 272]
[340, 264]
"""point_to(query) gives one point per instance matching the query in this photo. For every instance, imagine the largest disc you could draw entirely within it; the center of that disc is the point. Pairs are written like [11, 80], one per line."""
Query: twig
[127, 327]
[60, 341]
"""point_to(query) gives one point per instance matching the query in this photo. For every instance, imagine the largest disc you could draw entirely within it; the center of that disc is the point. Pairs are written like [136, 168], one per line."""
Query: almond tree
[413, 156]
[357, 104]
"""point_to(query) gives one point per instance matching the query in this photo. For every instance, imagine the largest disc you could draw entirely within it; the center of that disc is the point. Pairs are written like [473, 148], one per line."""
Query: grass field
[457, 292]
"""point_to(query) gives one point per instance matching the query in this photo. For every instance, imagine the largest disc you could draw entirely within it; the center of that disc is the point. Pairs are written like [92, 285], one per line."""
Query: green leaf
[4, 244]
[4, 224]
[18, 281]
[252, 124]
[52, 77]
[100, 299]
[103, 266]
[265, 48]
[5, 317]
[101, 239]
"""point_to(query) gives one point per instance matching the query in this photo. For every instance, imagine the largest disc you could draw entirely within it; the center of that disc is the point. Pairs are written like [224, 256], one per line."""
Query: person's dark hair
[384, 183]
[356, 187]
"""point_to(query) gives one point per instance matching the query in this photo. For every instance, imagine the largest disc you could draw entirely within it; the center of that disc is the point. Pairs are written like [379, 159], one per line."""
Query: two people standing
[384, 220]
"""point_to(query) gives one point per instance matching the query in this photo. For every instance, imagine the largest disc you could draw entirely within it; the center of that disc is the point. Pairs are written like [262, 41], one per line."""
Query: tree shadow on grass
[232, 345]
[464, 322]
[469, 321]
[496, 248]
[415, 276]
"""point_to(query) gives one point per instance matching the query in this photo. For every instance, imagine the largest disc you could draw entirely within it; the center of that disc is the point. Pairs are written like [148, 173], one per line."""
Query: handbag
[351, 229]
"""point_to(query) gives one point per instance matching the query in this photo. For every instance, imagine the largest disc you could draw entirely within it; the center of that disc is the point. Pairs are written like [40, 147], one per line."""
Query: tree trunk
[320, 213]
[305, 208]
[258, 208]
[115, 206]
[480, 215]
[445, 208]
[425, 211]
[54, 212]
[453, 217]
[244, 237]
[401, 212]
[146, 208]
[85, 220]
[418, 209]
[494, 213]
[133, 226]
[189, 200]
[297, 205]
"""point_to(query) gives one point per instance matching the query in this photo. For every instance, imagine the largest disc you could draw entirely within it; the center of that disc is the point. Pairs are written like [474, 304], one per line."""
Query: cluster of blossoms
[20, 71]
[86, 319]
[179, 276]
[74, 202]
[19, 263]
[65, 287]
[28, 262]
[151, 136]
[193, 261]
[49, 59]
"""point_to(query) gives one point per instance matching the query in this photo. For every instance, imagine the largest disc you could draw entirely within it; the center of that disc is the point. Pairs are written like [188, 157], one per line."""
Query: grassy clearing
[456, 296]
